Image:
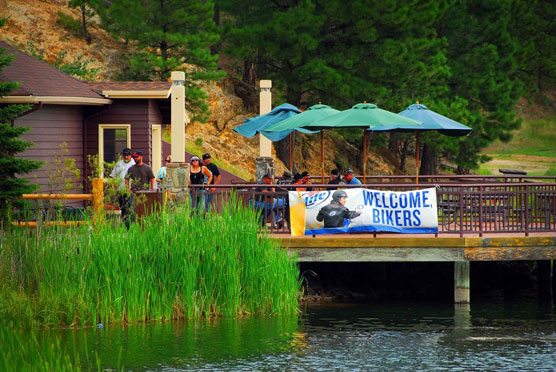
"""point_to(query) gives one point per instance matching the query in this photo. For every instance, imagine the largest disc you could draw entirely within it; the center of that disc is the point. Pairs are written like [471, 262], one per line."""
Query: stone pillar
[265, 106]
[177, 181]
[262, 167]
[461, 282]
[177, 99]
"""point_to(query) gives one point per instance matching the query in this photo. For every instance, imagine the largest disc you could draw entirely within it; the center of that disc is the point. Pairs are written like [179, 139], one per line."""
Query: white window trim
[156, 148]
[101, 128]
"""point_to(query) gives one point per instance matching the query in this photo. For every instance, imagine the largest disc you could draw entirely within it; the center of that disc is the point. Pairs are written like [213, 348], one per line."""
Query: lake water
[338, 337]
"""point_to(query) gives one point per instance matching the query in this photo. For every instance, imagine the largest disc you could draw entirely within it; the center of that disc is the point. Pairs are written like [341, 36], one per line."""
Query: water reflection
[483, 336]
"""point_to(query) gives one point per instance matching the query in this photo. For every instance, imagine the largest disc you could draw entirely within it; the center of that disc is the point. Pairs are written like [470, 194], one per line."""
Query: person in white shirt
[119, 173]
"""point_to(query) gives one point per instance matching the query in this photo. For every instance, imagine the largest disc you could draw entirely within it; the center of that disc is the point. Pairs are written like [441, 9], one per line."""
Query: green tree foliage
[168, 35]
[532, 26]
[481, 57]
[458, 57]
[12, 186]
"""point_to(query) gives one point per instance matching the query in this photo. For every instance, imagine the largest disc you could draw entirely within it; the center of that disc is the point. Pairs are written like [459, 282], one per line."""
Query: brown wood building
[90, 118]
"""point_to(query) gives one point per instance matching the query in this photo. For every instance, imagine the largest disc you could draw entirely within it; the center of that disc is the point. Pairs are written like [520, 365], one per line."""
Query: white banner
[363, 210]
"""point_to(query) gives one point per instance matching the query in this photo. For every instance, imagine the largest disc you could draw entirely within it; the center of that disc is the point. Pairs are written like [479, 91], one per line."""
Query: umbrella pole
[291, 152]
[364, 156]
[416, 157]
[322, 156]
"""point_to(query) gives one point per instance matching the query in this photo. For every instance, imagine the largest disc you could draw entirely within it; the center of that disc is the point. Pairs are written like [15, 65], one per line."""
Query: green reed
[171, 265]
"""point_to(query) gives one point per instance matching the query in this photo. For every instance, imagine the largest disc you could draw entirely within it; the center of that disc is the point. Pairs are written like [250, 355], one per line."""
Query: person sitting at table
[350, 178]
[306, 180]
[298, 180]
[264, 203]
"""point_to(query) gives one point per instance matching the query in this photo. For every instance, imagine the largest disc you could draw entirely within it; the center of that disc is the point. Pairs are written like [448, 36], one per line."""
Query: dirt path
[533, 165]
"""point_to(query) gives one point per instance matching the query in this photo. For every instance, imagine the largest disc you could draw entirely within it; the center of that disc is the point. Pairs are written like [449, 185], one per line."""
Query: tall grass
[25, 352]
[171, 265]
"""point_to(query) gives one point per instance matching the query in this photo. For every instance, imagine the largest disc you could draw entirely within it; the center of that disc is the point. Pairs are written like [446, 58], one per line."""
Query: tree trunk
[429, 163]
[88, 37]
[249, 73]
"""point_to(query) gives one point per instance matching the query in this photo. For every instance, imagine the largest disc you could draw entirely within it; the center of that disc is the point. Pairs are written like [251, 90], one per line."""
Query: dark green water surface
[513, 336]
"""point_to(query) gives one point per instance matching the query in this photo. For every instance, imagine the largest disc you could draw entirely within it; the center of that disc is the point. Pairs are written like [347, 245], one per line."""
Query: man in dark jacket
[334, 213]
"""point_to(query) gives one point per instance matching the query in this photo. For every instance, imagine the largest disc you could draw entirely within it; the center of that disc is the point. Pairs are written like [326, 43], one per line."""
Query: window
[112, 139]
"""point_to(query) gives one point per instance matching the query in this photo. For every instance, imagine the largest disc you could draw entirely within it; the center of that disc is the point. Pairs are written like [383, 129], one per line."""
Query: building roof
[39, 79]
[129, 85]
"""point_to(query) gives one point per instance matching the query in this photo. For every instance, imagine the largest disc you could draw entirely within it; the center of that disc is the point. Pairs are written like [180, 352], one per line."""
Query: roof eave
[155, 94]
[53, 100]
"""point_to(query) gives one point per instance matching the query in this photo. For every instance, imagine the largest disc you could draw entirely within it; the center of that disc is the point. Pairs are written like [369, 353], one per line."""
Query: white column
[265, 106]
[177, 97]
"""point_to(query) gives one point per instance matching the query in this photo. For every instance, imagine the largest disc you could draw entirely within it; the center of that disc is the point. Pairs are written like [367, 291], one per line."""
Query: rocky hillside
[33, 27]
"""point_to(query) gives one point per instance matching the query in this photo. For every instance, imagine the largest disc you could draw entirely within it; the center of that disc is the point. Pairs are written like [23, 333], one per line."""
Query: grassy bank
[532, 149]
[173, 265]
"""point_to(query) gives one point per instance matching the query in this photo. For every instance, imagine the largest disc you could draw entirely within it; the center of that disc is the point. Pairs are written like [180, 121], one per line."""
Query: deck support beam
[461, 282]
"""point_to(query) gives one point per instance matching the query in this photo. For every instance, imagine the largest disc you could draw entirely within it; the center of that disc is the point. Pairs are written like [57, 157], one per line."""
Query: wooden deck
[421, 248]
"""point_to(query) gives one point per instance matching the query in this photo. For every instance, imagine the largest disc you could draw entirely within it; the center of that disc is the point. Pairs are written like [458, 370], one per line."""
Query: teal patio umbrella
[430, 121]
[298, 122]
[259, 124]
[366, 116]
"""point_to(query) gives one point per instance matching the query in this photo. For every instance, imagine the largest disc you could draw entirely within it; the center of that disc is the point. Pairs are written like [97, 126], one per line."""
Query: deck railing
[466, 204]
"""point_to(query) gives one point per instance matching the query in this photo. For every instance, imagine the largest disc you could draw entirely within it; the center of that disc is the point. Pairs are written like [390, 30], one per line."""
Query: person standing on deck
[215, 180]
[161, 175]
[197, 175]
[119, 173]
[141, 177]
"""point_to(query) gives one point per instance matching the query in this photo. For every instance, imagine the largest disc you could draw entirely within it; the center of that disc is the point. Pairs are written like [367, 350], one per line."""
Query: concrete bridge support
[461, 282]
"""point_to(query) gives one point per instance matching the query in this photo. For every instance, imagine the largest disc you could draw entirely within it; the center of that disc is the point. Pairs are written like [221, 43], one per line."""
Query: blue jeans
[265, 209]
[197, 199]
[209, 200]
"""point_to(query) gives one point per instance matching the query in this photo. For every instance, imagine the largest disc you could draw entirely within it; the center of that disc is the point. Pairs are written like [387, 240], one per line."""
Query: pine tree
[168, 35]
[11, 166]
[532, 25]
[481, 56]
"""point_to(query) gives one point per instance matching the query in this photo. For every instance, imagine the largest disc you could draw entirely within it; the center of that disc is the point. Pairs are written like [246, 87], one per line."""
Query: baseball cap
[206, 156]
[126, 152]
[304, 174]
[287, 174]
[195, 157]
[349, 170]
[334, 172]
[138, 153]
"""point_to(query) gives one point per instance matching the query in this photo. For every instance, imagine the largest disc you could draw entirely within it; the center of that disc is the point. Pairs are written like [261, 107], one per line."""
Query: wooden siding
[51, 126]
[140, 114]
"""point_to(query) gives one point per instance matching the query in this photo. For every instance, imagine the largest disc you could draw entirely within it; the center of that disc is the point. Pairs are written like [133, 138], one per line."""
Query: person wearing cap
[140, 177]
[119, 174]
[197, 175]
[298, 180]
[264, 203]
[336, 178]
[215, 180]
[306, 180]
[335, 213]
[161, 175]
[350, 178]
